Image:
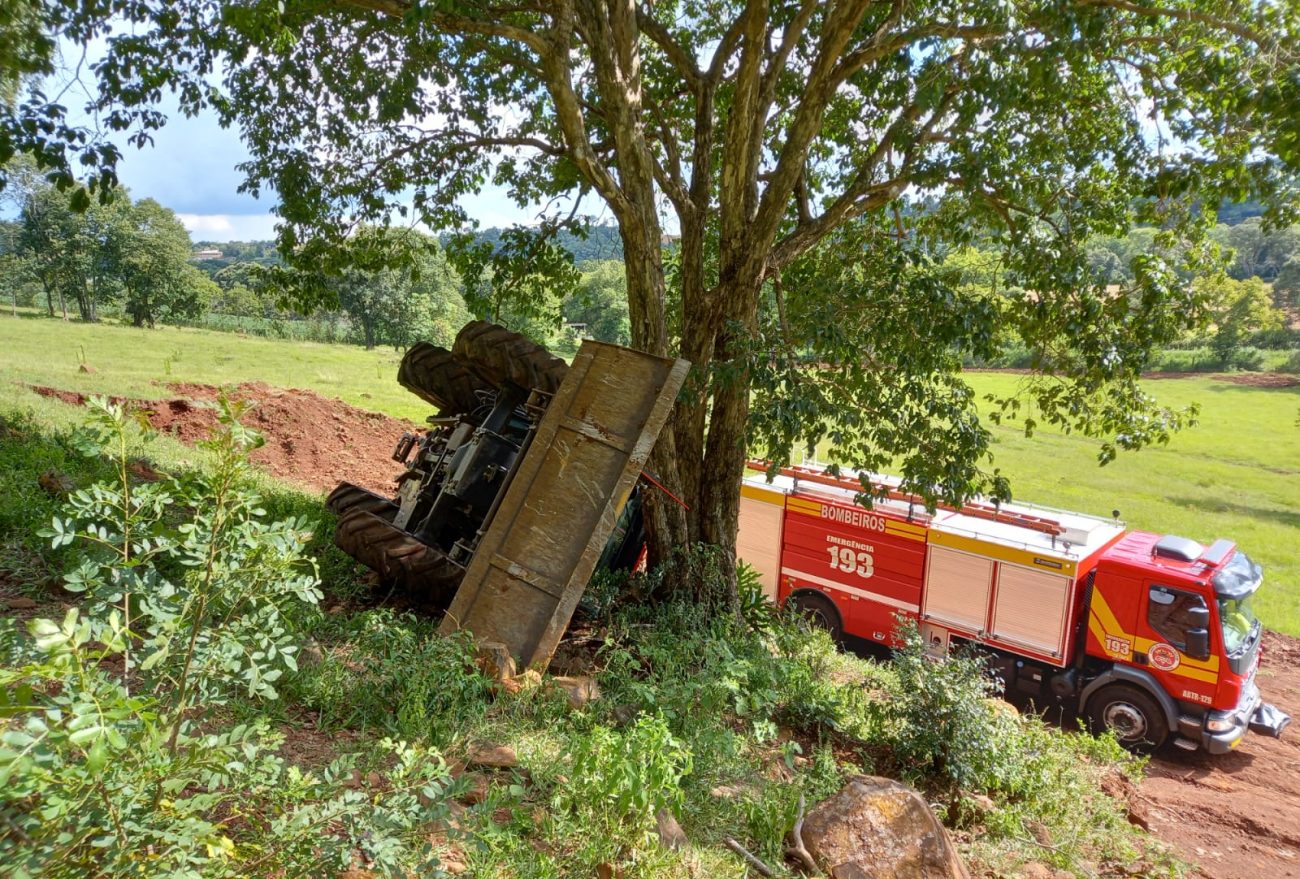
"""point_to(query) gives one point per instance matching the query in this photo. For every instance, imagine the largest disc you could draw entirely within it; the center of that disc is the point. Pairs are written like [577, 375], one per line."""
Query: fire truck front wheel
[819, 611]
[1134, 717]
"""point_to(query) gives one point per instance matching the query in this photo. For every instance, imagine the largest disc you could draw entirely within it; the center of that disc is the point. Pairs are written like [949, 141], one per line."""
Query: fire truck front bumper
[1269, 720]
[1224, 730]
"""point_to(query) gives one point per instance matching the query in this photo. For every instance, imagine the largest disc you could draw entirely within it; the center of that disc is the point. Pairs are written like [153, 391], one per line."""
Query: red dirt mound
[311, 440]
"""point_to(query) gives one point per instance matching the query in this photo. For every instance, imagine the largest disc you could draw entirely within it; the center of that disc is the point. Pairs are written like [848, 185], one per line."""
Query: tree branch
[459, 24]
[1214, 21]
[680, 58]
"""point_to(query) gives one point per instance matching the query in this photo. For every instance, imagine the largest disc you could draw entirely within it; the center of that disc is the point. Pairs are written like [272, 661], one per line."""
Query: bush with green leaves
[945, 728]
[622, 778]
[114, 759]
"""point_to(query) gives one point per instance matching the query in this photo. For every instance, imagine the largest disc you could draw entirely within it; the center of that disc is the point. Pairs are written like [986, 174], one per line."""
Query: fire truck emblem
[1163, 657]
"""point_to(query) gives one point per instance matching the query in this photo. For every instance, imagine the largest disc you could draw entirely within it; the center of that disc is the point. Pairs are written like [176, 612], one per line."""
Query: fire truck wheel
[1131, 714]
[820, 612]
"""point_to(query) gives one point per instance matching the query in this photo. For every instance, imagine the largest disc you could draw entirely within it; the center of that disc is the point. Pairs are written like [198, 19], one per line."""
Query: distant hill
[1232, 214]
[603, 242]
[260, 252]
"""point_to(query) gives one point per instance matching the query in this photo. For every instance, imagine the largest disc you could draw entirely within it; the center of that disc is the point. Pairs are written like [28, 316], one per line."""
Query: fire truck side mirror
[1198, 632]
[1198, 643]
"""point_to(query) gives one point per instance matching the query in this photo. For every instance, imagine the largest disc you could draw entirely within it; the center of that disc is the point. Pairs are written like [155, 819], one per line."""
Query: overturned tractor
[523, 483]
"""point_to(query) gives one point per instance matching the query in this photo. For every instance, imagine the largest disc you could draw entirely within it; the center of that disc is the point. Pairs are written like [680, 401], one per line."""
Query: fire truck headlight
[1219, 724]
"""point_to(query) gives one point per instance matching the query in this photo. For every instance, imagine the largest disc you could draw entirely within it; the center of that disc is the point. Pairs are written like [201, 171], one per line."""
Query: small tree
[151, 258]
[1287, 284]
[1237, 309]
[113, 759]
[600, 302]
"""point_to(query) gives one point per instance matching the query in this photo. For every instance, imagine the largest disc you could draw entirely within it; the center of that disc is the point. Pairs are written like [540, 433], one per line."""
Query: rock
[625, 714]
[732, 791]
[671, 835]
[849, 870]
[493, 757]
[1002, 707]
[20, 603]
[454, 865]
[495, 661]
[1122, 788]
[311, 654]
[883, 829]
[980, 804]
[579, 691]
[87, 369]
[1036, 870]
[478, 789]
[56, 484]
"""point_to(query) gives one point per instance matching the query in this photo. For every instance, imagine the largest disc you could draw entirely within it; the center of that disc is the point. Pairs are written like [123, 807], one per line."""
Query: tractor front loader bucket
[540, 548]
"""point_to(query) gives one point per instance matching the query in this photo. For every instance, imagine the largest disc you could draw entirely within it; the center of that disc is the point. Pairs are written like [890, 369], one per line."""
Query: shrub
[945, 731]
[622, 779]
[392, 672]
[113, 759]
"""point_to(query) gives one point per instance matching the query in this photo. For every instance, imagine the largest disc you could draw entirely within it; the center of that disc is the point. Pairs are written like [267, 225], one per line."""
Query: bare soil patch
[1237, 816]
[312, 441]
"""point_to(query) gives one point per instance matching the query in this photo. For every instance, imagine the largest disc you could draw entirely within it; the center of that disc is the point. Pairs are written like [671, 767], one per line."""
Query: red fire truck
[1150, 636]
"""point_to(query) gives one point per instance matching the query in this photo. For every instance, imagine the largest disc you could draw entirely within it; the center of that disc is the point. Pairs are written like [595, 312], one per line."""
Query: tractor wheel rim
[1127, 721]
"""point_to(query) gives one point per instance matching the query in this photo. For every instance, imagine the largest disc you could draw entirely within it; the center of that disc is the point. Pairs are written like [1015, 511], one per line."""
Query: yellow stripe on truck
[762, 493]
[1103, 624]
[1001, 553]
[799, 505]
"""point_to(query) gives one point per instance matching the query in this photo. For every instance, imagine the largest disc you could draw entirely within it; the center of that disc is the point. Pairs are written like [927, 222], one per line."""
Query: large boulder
[880, 828]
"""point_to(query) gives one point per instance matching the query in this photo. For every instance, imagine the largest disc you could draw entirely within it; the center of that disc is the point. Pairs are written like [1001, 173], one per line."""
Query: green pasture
[139, 363]
[1236, 474]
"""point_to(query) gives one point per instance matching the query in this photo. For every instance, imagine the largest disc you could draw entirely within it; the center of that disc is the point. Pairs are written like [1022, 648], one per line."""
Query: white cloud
[229, 227]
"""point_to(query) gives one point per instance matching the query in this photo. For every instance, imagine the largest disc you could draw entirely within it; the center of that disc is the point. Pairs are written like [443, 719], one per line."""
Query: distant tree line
[130, 256]
[134, 260]
[1254, 302]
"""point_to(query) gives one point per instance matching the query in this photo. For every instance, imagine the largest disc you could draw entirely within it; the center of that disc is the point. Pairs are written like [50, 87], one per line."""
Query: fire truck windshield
[1239, 623]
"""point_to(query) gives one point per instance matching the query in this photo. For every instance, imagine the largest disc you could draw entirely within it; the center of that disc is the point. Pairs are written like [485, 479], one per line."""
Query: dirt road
[1237, 816]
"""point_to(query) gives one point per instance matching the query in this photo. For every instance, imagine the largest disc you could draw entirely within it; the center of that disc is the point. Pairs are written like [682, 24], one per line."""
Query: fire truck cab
[1173, 618]
[1150, 636]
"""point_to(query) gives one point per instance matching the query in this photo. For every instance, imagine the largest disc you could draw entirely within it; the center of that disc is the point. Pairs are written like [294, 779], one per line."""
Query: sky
[191, 168]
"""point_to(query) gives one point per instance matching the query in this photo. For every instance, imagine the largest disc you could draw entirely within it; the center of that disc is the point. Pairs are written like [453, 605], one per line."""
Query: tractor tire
[1132, 714]
[421, 570]
[498, 356]
[347, 497]
[439, 378]
[820, 612]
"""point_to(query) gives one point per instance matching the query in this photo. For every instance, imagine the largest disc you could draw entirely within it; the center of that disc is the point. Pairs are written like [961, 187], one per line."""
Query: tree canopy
[783, 140]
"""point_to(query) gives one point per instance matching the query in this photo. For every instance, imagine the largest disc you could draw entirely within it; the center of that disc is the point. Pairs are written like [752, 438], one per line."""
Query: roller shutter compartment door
[957, 589]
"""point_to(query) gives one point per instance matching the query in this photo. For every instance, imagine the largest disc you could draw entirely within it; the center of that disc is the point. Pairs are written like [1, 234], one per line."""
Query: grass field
[1235, 475]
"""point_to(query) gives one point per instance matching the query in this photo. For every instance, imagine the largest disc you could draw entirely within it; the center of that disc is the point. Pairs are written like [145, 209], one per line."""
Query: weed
[392, 672]
[622, 779]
